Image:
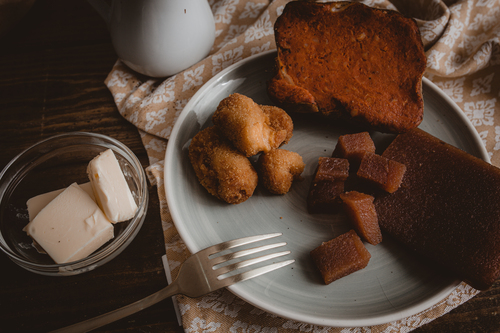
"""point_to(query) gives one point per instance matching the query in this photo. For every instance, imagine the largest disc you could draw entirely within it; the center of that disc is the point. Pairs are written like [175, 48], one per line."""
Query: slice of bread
[351, 61]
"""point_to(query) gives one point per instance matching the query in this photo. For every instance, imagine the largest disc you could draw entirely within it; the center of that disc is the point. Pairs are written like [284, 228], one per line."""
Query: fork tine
[242, 253]
[238, 242]
[248, 262]
[255, 272]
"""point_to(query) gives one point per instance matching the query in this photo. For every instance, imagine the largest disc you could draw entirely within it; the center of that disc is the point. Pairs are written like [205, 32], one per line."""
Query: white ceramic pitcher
[159, 38]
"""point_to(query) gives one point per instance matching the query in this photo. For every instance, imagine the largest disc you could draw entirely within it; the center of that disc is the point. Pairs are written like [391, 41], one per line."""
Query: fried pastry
[222, 170]
[247, 126]
[279, 120]
[278, 169]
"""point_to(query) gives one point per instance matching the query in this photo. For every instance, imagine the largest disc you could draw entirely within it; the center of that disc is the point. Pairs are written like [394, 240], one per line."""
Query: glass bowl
[53, 164]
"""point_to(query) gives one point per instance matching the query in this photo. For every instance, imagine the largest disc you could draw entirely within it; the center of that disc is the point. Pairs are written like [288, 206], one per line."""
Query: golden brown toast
[352, 61]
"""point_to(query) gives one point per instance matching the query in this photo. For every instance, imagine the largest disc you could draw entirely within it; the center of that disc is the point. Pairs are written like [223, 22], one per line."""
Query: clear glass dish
[53, 164]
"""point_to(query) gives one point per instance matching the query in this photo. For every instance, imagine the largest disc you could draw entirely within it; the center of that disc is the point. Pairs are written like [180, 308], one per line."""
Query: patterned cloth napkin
[461, 40]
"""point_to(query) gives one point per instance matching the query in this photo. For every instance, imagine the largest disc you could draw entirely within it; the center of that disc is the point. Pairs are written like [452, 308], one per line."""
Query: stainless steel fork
[205, 271]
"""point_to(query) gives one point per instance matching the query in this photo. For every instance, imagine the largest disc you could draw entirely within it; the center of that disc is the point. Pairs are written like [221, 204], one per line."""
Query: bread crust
[350, 61]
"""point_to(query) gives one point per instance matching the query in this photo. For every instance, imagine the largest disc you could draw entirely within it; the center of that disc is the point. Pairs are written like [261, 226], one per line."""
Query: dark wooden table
[52, 67]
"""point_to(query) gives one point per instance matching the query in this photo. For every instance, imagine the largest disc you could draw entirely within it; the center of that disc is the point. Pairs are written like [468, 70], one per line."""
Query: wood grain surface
[53, 63]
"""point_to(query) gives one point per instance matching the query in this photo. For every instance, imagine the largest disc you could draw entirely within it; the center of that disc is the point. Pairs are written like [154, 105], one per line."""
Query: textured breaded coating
[278, 169]
[279, 120]
[244, 123]
[224, 171]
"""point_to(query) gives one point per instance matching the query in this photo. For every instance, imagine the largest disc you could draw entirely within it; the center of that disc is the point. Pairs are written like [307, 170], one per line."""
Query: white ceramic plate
[393, 285]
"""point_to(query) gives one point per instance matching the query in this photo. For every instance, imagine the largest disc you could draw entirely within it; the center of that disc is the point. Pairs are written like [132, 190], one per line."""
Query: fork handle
[112, 316]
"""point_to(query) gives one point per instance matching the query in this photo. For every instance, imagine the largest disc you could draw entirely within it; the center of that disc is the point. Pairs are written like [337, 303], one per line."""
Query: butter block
[36, 204]
[110, 187]
[71, 226]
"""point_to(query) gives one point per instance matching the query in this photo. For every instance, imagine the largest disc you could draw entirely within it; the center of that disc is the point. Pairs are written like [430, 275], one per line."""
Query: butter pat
[71, 226]
[36, 204]
[110, 187]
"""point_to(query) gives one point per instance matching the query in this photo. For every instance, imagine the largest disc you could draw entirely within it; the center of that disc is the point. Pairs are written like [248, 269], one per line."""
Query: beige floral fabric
[461, 39]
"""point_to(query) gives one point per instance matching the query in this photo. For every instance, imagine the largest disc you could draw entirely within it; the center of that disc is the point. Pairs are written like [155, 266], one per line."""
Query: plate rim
[247, 296]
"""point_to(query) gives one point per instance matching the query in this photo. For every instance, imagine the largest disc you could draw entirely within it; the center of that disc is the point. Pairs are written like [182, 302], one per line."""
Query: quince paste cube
[332, 169]
[383, 172]
[361, 211]
[340, 256]
[353, 147]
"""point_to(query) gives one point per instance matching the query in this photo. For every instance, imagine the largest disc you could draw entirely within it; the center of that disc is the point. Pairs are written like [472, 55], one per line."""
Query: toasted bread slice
[352, 61]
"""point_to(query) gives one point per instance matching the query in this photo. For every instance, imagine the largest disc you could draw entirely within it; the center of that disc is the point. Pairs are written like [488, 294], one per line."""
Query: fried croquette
[224, 171]
[279, 120]
[248, 127]
[278, 169]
